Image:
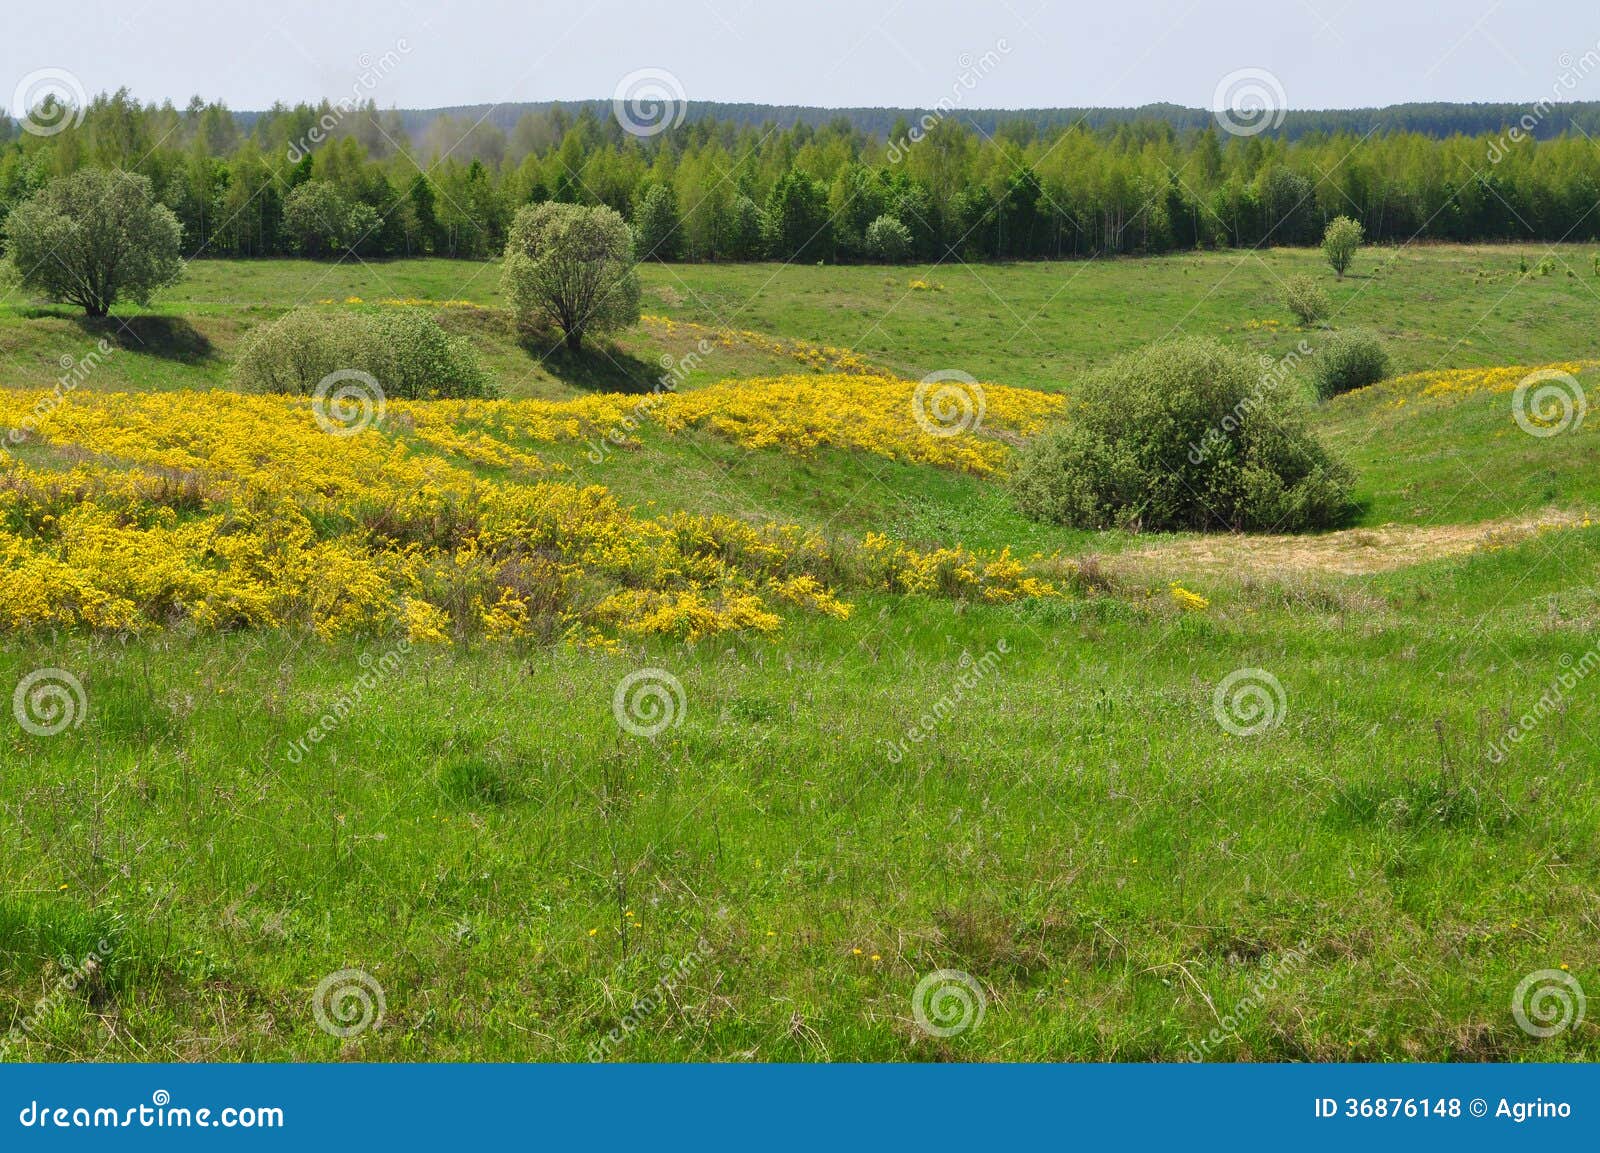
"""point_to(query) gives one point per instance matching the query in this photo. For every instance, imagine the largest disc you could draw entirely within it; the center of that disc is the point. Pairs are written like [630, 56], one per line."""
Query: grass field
[1054, 796]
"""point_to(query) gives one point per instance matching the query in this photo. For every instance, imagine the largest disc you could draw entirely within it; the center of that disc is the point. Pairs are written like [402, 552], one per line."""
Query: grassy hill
[1066, 797]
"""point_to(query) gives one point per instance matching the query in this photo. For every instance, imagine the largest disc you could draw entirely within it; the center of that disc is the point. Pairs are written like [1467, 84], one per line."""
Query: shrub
[888, 240]
[1339, 243]
[1305, 298]
[406, 352]
[1348, 360]
[1184, 435]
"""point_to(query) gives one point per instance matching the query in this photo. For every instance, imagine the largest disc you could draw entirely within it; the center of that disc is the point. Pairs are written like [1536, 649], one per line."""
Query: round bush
[409, 355]
[888, 240]
[1348, 360]
[1304, 297]
[1184, 435]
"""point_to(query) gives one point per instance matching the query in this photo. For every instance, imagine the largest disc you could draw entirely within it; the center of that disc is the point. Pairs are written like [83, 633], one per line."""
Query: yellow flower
[1188, 601]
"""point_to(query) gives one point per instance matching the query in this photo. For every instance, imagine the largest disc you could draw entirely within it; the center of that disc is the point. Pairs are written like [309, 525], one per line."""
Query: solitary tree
[572, 266]
[1340, 241]
[95, 237]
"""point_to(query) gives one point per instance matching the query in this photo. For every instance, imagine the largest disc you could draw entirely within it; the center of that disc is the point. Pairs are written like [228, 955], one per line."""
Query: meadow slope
[1158, 798]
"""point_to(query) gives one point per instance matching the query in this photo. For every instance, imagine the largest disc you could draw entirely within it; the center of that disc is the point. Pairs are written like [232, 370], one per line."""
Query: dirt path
[1351, 552]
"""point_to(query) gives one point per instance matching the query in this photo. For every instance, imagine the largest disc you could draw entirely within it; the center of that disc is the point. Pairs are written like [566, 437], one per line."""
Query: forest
[348, 178]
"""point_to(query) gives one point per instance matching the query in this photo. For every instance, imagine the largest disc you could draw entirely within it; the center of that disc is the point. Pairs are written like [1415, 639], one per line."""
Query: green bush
[405, 351]
[1183, 435]
[1304, 297]
[888, 240]
[1348, 360]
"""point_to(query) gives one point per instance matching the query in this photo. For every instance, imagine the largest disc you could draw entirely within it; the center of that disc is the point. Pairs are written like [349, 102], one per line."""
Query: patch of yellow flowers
[1456, 382]
[823, 357]
[136, 511]
[877, 414]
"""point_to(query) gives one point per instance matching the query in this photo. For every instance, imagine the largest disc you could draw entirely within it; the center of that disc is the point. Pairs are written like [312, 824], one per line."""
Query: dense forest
[325, 180]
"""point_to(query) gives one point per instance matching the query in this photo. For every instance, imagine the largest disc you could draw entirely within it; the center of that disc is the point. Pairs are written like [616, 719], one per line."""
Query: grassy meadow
[1040, 794]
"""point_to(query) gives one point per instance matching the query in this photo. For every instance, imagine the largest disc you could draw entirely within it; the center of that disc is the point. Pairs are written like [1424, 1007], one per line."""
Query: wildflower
[1186, 600]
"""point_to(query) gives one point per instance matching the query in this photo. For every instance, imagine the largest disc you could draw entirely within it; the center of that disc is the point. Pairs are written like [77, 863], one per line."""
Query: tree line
[326, 180]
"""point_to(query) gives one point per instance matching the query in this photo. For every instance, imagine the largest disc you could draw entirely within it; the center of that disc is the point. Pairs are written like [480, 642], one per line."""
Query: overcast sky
[1322, 53]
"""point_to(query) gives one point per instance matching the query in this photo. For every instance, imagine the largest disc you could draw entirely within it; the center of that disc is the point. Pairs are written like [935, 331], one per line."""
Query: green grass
[1080, 834]
[1078, 831]
[1032, 324]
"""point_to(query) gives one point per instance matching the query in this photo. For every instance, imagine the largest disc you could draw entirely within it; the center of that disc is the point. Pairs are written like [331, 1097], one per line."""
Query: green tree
[95, 237]
[316, 216]
[746, 230]
[1340, 241]
[797, 218]
[572, 266]
[656, 225]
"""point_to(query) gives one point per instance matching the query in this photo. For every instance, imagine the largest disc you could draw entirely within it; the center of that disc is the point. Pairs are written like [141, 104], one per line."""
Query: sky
[837, 53]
